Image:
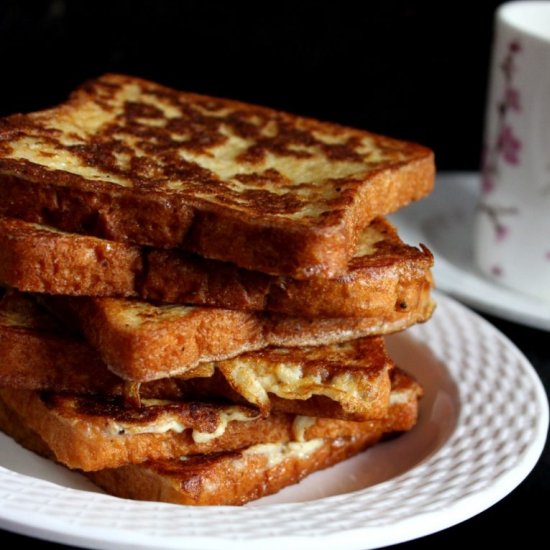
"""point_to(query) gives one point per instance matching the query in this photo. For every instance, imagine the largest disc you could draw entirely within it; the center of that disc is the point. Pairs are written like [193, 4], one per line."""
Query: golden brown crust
[12, 425]
[229, 479]
[39, 260]
[80, 440]
[266, 190]
[386, 278]
[80, 436]
[141, 342]
[390, 278]
[342, 381]
[31, 360]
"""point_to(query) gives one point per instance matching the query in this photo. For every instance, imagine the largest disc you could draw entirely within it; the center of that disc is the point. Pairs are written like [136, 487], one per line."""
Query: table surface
[520, 509]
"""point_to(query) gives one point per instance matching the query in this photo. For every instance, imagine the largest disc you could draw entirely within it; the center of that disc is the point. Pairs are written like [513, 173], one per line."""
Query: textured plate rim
[82, 530]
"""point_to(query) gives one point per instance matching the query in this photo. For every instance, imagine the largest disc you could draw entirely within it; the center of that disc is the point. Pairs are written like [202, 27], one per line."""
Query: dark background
[413, 70]
[408, 69]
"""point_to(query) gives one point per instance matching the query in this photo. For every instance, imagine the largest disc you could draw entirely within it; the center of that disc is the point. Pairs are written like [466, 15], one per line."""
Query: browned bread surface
[38, 258]
[141, 341]
[37, 352]
[349, 380]
[93, 434]
[131, 160]
[385, 277]
[232, 478]
[226, 478]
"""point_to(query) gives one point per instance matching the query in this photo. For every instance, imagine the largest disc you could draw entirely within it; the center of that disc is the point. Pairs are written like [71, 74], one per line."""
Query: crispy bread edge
[36, 259]
[167, 219]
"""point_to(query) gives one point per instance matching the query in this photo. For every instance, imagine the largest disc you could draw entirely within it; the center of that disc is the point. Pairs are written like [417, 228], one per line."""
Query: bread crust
[38, 259]
[263, 216]
[223, 478]
[79, 434]
[229, 479]
[347, 382]
[391, 278]
[140, 342]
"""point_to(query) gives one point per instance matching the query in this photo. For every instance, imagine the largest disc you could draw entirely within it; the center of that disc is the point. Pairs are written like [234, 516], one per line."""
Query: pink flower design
[509, 145]
[501, 231]
[496, 270]
[512, 99]
[487, 182]
[547, 255]
[508, 67]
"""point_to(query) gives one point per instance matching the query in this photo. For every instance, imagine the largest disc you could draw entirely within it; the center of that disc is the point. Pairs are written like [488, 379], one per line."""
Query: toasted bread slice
[140, 341]
[348, 381]
[231, 478]
[386, 278]
[228, 478]
[95, 433]
[38, 258]
[131, 160]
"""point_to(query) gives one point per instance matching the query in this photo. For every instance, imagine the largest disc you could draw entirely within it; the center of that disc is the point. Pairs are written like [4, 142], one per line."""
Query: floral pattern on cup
[507, 147]
[496, 215]
[511, 231]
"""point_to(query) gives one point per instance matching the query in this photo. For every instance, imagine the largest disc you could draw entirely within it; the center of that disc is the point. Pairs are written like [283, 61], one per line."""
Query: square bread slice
[93, 433]
[131, 160]
[223, 478]
[386, 278]
[141, 341]
[348, 381]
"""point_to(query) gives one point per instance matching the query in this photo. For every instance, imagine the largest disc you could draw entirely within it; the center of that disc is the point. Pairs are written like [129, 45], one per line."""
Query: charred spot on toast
[135, 134]
[379, 246]
[204, 417]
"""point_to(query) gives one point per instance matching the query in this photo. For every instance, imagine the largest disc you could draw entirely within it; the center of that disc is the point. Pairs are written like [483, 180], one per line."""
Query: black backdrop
[409, 69]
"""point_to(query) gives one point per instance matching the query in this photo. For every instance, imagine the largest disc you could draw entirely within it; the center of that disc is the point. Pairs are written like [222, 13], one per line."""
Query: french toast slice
[347, 381]
[223, 478]
[385, 277]
[94, 433]
[231, 478]
[141, 341]
[131, 160]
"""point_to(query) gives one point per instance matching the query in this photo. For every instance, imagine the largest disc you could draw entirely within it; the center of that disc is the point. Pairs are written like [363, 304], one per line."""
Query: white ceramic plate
[483, 426]
[443, 222]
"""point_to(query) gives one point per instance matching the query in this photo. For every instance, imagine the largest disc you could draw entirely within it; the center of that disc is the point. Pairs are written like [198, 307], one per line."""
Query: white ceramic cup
[512, 223]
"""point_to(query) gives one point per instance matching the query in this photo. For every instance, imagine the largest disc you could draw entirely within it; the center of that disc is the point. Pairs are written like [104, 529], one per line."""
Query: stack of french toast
[196, 290]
